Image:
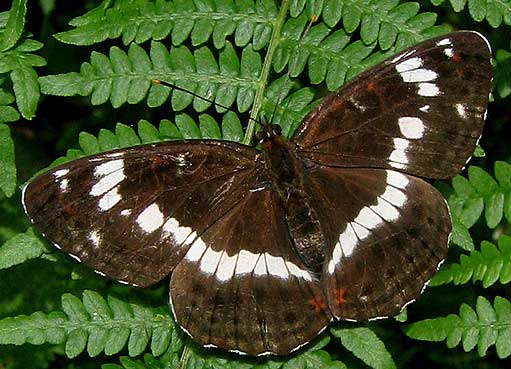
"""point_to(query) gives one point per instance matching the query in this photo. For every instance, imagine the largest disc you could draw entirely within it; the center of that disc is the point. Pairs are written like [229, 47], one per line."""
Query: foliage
[247, 58]
[487, 325]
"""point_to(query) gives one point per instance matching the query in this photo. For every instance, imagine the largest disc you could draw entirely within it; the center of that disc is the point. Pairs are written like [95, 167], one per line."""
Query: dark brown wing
[420, 111]
[242, 287]
[387, 233]
[132, 213]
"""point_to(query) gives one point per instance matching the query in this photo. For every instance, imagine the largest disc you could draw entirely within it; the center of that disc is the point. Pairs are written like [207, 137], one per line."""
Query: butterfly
[266, 247]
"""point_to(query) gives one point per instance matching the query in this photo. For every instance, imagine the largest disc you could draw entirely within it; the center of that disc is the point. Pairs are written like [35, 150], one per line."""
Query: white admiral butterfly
[267, 247]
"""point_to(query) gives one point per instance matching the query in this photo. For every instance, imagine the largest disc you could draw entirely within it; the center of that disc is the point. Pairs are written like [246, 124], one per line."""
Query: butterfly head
[268, 131]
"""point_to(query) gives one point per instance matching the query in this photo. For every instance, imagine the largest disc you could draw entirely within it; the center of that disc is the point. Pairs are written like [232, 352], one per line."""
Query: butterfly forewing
[420, 111]
[132, 213]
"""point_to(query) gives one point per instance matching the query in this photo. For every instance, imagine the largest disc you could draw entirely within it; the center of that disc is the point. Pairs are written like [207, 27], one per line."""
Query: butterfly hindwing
[132, 213]
[387, 234]
[242, 286]
[420, 111]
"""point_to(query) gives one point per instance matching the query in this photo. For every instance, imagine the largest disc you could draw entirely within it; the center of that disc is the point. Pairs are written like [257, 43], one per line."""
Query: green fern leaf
[489, 265]
[95, 324]
[20, 248]
[365, 345]
[7, 113]
[126, 78]
[385, 22]
[481, 192]
[486, 326]
[494, 11]
[198, 20]
[14, 26]
[7, 164]
[501, 72]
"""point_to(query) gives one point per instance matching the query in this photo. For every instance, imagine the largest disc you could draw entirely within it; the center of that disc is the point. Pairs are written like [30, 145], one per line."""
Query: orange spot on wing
[156, 162]
[456, 57]
[371, 86]
[340, 296]
[316, 304]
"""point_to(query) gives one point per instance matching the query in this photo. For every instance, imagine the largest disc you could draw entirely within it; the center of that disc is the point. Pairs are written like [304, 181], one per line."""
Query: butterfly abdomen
[286, 171]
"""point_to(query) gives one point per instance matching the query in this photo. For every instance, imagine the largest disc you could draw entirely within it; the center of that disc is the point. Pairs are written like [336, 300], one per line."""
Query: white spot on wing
[95, 238]
[444, 42]
[411, 71]
[109, 199]
[428, 89]
[298, 272]
[462, 111]
[110, 174]
[210, 260]
[125, 212]
[246, 262]
[60, 173]
[64, 185]
[226, 266]
[179, 233]
[260, 268]
[398, 155]
[360, 231]
[411, 127]
[424, 108]
[394, 196]
[196, 250]
[368, 219]
[385, 210]
[150, 219]
[276, 266]
[348, 240]
[396, 179]
[449, 52]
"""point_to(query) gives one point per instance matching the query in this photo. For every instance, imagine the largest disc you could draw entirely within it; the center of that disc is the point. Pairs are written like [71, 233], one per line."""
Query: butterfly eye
[276, 130]
[261, 136]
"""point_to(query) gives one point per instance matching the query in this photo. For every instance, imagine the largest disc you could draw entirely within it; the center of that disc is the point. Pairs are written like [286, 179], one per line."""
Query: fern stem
[265, 72]
[183, 360]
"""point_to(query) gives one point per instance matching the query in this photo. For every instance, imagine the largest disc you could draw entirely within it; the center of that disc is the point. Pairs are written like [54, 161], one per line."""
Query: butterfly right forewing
[421, 111]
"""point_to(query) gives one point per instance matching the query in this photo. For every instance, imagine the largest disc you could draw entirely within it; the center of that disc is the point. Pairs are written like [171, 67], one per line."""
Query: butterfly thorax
[286, 171]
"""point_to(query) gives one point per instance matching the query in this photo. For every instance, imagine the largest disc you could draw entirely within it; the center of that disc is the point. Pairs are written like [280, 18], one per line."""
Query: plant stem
[265, 72]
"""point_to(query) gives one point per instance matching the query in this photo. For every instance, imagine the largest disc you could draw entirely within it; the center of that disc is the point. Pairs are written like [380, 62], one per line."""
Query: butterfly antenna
[177, 88]
[292, 66]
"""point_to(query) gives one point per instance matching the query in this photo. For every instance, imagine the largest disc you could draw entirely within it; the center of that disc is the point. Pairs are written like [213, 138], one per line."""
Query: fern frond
[14, 26]
[480, 192]
[20, 248]
[486, 326]
[494, 11]
[489, 265]
[19, 62]
[7, 163]
[197, 20]
[331, 57]
[126, 78]
[365, 345]
[95, 324]
[7, 112]
[501, 72]
[385, 22]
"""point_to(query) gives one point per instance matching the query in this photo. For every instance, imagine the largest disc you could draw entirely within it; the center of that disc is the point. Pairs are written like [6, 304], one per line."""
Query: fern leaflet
[487, 325]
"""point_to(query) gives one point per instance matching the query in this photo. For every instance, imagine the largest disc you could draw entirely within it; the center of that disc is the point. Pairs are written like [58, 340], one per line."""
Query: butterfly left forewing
[132, 213]
[420, 111]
